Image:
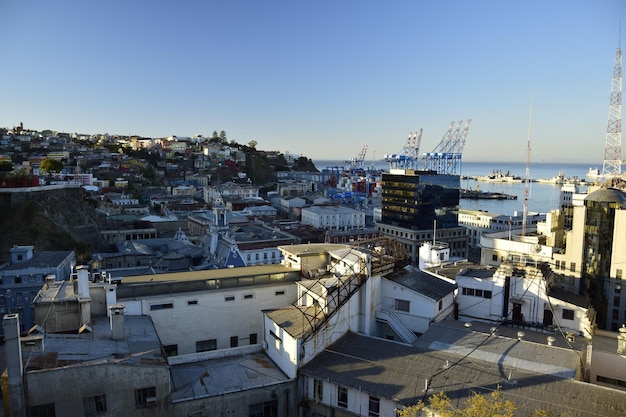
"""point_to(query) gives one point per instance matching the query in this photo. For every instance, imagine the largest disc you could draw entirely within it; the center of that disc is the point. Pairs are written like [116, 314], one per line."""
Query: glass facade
[416, 199]
[598, 247]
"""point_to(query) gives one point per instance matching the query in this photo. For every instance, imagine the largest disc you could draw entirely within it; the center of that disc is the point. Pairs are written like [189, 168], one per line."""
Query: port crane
[446, 157]
[357, 162]
[407, 159]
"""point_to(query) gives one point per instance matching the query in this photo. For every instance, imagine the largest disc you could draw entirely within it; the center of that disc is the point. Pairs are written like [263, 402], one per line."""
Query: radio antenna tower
[612, 165]
[527, 179]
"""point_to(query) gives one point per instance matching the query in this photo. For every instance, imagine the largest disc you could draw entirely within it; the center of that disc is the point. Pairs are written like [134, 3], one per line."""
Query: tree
[6, 166]
[51, 165]
[252, 144]
[493, 405]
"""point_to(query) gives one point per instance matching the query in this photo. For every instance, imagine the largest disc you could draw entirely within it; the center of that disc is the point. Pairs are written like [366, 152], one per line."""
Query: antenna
[612, 164]
[525, 212]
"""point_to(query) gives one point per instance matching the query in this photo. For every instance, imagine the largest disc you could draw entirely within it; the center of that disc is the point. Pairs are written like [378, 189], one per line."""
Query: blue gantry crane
[446, 157]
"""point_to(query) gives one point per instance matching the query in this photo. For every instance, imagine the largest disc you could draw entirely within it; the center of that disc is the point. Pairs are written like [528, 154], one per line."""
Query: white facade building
[333, 217]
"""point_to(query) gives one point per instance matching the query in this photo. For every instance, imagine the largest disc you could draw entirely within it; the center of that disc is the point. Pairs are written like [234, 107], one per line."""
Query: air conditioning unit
[151, 401]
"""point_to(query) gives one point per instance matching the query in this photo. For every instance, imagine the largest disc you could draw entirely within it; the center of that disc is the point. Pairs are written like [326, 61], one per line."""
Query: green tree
[51, 165]
[6, 166]
[493, 405]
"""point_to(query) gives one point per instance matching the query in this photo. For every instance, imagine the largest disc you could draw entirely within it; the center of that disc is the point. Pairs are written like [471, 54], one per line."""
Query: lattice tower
[612, 164]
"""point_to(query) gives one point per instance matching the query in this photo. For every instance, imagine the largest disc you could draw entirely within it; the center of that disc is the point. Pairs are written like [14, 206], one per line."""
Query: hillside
[58, 219]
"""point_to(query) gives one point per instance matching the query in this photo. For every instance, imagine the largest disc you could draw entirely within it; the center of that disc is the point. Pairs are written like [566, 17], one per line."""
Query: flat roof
[399, 372]
[244, 271]
[141, 346]
[293, 320]
[422, 283]
[214, 377]
[311, 248]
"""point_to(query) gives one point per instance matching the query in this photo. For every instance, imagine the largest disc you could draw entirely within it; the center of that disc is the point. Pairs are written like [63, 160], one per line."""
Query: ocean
[541, 197]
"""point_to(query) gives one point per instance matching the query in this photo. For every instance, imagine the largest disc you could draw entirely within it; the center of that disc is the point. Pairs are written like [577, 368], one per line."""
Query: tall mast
[612, 165]
[525, 215]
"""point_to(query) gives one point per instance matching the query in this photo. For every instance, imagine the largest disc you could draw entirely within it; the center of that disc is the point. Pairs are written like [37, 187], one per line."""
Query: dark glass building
[416, 199]
[419, 206]
[598, 245]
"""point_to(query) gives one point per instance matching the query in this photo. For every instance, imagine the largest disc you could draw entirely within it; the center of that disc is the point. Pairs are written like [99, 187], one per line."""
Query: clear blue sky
[318, 78]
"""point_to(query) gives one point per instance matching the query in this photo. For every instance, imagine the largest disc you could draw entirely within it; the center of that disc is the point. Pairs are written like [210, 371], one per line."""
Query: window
[18, 280]
[145, 397]
[229, 298]
[572, 266]
[161, 306]
[234, 341]
[318, 390]
[44, 410]
[440, 305]
[192, 302]
[374, 407]
[170, 350]
[281, 292]
[618, 273]
[253, 340]
[275, 336]
[206, 345]
[248, 296]
[494, 257]
[266, 409]
[568, 314]
[611, 381]
[95, 406]
[342, 397]
[402, 305]
[616, 301]
[618, 288]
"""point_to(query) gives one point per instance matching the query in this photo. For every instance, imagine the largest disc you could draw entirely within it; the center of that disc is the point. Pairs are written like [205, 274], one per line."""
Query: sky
[321, 78]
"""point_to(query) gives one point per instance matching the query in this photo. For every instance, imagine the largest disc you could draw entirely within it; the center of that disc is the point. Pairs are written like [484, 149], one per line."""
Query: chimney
[50, 280]
[83, 294]
[13, 357]
[116, 317]
[83, 281]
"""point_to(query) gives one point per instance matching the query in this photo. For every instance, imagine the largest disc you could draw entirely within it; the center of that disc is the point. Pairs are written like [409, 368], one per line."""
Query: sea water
[542, 197]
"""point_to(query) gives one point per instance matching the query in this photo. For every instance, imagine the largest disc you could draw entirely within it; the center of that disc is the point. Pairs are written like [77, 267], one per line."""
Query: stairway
[398, 326]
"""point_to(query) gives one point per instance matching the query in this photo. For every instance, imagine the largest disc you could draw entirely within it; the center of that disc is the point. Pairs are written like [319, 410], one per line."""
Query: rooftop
[422, 283]
[219, 376]
[460, 362]
[40, 260]
[141, 346]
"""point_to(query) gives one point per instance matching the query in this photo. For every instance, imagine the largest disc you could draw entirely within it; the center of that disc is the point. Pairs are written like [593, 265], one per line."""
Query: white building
[230, 191]
[333, 217]
[224, 305]
[479, 222]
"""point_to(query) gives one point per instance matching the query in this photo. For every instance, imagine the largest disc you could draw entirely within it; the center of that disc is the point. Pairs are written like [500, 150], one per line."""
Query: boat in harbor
[499, 176]
[485, 195]
[594, 173]
[561, 179]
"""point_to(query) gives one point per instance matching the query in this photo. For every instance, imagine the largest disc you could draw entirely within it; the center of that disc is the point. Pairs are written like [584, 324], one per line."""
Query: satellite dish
[536, 248]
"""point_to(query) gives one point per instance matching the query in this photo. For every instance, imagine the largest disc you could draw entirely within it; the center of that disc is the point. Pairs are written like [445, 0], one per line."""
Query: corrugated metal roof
[396, 371]
[219, 376]
[422, 283]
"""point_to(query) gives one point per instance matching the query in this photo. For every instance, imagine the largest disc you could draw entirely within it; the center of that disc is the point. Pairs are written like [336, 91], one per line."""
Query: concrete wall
[238, 403]
[197, 316]
[358, 400]
[66, 387]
